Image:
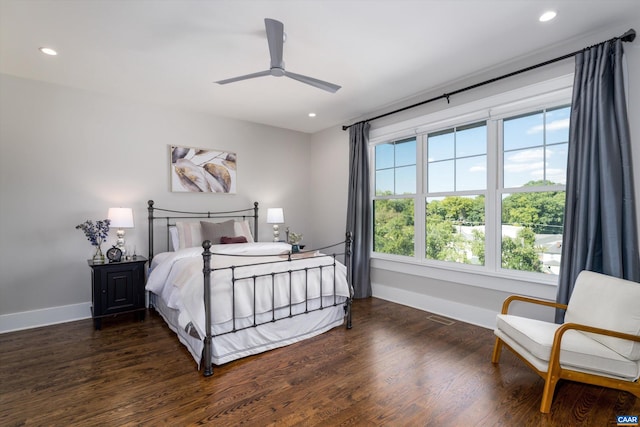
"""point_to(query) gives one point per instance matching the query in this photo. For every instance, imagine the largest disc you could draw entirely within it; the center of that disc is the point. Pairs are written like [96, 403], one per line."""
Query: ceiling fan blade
[245, 77]
[275, 37]
[320, 84]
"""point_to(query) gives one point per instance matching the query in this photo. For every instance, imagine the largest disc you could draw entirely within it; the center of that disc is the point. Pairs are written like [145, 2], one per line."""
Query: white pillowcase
[174, 239]
[242, 228]
[189, 234]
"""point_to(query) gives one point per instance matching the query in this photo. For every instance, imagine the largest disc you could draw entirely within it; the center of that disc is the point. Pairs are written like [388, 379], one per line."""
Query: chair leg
[549, 389]
[497, 349]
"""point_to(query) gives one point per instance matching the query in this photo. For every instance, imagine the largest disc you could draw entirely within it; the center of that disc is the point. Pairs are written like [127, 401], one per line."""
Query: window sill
[510, 283]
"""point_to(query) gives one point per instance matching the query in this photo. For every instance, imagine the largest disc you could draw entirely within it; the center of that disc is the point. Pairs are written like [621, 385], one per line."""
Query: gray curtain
[600, 229]
[358, 208]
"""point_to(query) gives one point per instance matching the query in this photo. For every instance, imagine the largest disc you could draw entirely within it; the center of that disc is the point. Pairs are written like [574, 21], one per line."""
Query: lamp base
[276, 233]
[120, 240]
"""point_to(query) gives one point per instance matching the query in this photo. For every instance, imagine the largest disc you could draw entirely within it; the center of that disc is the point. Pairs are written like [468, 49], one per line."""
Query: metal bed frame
[171, 216]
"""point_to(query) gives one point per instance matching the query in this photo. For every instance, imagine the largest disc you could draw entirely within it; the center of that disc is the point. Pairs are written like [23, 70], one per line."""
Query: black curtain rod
[629, 36]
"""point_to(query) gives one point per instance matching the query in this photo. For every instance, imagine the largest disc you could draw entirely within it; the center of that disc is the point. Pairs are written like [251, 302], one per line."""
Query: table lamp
[275, 216]
[120, 218]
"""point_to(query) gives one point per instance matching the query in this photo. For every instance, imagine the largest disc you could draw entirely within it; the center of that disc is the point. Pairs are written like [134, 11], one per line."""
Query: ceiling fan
[275, 37]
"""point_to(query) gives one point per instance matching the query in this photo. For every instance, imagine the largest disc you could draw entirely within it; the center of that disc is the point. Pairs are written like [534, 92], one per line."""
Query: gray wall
[329, 175]
[68, 155]
[480, 297]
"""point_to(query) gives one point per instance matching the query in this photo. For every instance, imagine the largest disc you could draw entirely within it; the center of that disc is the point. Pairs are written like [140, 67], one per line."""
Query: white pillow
[189, 234]
[242, 228]
[174, 239]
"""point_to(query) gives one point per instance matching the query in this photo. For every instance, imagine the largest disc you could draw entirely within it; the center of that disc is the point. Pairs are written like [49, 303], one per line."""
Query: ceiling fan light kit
[275, 38]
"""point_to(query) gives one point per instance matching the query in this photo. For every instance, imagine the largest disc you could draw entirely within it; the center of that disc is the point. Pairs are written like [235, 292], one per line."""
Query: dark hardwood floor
[396, 367]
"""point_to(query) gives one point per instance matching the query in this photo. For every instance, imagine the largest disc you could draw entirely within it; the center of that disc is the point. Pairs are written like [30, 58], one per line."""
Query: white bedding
[177, 278]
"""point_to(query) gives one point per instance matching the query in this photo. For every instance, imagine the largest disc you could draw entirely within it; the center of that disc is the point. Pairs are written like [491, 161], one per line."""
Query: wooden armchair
[598, 344]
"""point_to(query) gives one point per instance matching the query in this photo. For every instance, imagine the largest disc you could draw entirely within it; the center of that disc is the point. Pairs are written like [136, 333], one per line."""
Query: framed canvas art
[198, 170]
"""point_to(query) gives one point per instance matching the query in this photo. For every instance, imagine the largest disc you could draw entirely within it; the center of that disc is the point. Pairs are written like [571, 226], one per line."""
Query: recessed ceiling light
[547, 16]
[312, 114]
[48, 51]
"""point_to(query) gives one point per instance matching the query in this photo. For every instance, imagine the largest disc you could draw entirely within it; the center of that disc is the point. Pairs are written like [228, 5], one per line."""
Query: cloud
[559, 176]
[551, 126]
[537, 174]
[524, 156]
[523, 167]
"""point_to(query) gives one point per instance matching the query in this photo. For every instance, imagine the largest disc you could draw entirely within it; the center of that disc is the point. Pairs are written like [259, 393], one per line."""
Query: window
[393, 211]
[457, 159]
[534, 175]
[487, 194]
[396, 168]
[455, 202]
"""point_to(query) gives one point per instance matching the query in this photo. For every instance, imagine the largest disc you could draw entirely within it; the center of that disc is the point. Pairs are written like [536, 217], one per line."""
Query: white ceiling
[170, 52]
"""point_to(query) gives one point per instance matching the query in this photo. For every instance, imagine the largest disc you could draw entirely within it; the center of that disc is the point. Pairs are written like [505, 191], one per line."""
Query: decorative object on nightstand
[117, 288]
[96, 234]
[294, 240]
[121, 218]
[114, 254]
[275, 216]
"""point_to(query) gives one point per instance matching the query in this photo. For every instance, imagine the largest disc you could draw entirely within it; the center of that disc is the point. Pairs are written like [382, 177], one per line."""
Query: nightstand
[116, 288]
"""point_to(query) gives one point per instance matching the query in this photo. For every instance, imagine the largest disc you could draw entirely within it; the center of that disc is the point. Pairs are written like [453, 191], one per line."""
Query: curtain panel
[358, 208]
[600, 228]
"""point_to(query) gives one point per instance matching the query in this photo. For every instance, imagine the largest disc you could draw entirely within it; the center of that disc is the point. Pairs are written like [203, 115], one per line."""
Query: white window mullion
[492, 217]
[419, 203]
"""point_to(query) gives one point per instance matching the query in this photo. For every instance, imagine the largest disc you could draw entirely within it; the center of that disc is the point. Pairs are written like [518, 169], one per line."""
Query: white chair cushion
[609, 303]
[533, 340]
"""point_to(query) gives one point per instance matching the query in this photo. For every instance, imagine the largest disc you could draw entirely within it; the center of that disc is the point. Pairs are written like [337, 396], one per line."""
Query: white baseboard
[462, 312]
[44, 317]
[454, 310]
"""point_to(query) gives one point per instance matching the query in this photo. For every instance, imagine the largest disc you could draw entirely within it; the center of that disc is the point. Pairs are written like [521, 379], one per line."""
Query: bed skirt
[247, 342]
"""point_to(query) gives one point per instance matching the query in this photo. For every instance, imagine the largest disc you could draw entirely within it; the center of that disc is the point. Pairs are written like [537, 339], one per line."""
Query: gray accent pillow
[215, 230]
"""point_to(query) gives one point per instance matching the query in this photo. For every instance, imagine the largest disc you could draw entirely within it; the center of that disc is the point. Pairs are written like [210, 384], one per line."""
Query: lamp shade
[275, 216]
[121, 217]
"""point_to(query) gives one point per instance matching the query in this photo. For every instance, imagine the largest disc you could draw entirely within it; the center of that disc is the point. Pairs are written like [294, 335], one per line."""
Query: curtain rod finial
[629, 36]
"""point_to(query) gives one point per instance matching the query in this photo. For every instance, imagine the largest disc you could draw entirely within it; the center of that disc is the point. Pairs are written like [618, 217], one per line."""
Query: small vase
[98, 257]
[295, 248]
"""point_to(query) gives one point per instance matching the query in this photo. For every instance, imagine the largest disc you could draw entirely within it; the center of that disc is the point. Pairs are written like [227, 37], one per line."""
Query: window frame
[540, 96]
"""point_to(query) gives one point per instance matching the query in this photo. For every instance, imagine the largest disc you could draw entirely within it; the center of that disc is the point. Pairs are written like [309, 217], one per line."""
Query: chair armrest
[579, 327]
[510, 299]
[554, 359]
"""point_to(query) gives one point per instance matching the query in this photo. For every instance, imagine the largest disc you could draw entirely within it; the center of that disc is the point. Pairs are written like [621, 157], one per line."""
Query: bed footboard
[207, 270]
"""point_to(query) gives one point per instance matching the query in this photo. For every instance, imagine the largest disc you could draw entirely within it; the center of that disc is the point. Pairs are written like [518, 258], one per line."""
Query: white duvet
[177, 277]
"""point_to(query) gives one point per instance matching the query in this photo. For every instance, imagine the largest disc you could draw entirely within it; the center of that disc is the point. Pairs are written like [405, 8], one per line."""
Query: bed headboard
[170, 216]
